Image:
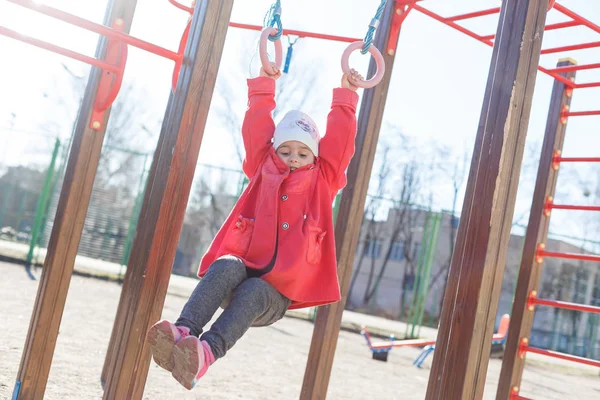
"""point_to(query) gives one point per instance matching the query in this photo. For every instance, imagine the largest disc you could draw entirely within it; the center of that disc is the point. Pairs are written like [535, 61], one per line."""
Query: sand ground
[267, 363]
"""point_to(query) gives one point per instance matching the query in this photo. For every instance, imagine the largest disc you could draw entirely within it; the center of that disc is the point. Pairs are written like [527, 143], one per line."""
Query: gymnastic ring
[264, 56]
[378, 60]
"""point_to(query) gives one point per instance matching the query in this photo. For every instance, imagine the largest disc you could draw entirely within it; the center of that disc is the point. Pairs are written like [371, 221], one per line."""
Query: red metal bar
[397, 20]
[567, 207]
[561, 25]
[571, 47]
[407, 2]
[97, 28]
[514, 395]
[402, 343]
[474, 14]
[182, 7]
[562, 356]
[488, 40]
[551, 27]
[565, 305]
[577, 17]
[571, 68]
[60, 50]
[576, 159]
[581, 113]
[452, 25]
[587, 85]
[558, 77]
[301, 34]
[570, 256]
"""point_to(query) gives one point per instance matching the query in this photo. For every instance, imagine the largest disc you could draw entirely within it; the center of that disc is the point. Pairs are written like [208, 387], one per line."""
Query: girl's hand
[350, 80]
[275, 68]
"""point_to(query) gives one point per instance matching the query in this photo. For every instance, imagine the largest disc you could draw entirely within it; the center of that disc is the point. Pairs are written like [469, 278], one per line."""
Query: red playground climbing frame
[534, 251]
[526, 298]
[403, 9]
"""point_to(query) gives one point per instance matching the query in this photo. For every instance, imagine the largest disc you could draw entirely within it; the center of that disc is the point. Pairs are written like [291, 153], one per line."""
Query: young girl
[276, 250]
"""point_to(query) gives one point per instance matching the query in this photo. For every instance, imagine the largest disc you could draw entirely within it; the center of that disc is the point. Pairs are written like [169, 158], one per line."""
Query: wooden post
[521, 318]
[165, 201]
[475, 277]
[350, 215]
[68, 225]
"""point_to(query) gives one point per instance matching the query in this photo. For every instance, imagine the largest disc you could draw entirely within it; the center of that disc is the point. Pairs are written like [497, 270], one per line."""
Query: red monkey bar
[114, 60]
[557, 158]
[549, 206]
[301, 34]
[541, 253]
[534, 300]
[555, 354]
[59, 50]
[97, 28]
[576, 20]
[581, 113]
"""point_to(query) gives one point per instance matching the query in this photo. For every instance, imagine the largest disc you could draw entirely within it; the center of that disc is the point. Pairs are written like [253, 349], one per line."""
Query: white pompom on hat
[297, 126]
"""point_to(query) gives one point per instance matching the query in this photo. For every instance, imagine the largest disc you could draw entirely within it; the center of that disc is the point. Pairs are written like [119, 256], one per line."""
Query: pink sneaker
[162, 336]
[192, 358]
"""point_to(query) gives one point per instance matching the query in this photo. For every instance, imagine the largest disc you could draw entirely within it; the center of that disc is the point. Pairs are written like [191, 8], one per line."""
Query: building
[390, 247]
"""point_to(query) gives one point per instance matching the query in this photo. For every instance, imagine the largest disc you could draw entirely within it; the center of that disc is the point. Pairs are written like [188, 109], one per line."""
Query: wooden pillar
[165, 201]
[475, 277]
[350, 215]
[68, 225]
[521, 318]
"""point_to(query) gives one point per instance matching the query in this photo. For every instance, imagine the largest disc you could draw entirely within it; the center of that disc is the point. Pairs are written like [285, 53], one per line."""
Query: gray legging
[247, 302]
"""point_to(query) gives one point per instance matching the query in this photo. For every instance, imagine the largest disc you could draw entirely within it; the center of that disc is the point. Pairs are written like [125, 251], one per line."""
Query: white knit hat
[298, 126]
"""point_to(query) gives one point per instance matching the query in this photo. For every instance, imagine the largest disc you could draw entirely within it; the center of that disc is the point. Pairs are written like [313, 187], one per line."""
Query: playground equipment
[534, 250]
[274, 34]
[127, 361]
[474, 277]
[381, 350]
[498, 341]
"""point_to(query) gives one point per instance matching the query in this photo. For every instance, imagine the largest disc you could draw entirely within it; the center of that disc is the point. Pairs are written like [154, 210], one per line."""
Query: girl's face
[295, 154]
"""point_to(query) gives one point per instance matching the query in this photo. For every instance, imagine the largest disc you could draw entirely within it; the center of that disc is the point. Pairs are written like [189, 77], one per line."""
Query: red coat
[290, 211]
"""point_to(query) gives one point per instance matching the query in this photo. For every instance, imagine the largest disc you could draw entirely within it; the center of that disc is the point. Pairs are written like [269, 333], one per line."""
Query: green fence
[114, 205]
[27, 166]
[31, 178]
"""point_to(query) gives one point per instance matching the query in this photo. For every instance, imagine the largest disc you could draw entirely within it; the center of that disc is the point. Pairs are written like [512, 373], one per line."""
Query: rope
[372, 27]
[274, 18]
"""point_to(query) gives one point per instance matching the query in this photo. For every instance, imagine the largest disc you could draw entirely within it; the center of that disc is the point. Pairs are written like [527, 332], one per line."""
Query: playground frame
[475, 276]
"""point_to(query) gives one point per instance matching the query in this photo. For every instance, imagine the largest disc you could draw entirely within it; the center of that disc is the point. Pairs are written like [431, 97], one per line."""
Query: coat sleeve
[337, 146]
[258, 126]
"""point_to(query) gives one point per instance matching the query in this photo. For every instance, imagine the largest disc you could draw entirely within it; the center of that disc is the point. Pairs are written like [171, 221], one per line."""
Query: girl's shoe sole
[188, 359]
[162, 340]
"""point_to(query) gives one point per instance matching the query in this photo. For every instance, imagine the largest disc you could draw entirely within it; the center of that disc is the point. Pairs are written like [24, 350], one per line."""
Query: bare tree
[371, 210]
[404, 220]
[127, 140]
[374, 233]
[458, 177]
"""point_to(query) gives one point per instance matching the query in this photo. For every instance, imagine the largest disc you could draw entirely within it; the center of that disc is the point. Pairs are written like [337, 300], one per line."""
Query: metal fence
[31, 178]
